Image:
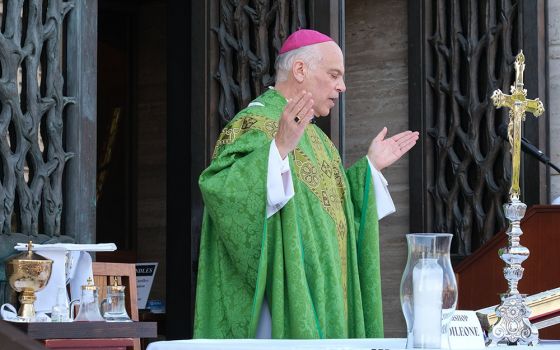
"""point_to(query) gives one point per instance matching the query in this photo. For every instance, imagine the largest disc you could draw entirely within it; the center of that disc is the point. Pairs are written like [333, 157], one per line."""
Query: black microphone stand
[529, 148]
[553, 166]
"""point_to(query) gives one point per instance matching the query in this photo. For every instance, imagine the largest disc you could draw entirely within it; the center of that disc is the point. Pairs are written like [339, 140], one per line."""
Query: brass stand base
[27, 309]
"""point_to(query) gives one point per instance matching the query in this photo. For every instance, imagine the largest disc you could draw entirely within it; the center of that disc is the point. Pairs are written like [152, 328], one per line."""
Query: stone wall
[377, 96]
[553, 103]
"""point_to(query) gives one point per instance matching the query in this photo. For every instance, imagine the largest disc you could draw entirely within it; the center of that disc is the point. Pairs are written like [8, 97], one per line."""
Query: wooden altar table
[88, 335]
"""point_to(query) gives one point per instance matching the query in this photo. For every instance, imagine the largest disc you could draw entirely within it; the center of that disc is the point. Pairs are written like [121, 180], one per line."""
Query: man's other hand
[384, 152]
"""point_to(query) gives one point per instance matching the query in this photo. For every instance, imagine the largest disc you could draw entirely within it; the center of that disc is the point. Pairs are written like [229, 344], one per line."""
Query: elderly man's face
[326, 80]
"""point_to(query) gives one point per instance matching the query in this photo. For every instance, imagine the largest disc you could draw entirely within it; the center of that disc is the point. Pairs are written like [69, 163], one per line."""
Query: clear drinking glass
[60, 311]
[428, 290]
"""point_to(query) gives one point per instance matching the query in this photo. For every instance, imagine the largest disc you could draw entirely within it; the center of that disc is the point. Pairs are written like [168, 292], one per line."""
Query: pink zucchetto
[301, 38]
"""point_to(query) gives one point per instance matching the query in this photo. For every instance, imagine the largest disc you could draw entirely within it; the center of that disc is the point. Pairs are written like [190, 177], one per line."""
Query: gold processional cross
[518, 104]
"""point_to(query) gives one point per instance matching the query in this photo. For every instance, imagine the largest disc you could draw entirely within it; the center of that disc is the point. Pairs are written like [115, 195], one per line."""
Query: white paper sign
[465, 331]
[145, 273]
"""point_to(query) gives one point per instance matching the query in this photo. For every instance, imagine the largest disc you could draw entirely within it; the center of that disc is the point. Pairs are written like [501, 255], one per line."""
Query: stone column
[554, 93]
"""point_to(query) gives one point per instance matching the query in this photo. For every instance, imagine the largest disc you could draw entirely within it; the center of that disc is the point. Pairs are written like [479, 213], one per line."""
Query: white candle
[427, 281]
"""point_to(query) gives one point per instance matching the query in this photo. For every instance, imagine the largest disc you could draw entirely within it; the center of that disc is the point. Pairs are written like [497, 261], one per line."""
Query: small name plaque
[145, 273]
[465, 331]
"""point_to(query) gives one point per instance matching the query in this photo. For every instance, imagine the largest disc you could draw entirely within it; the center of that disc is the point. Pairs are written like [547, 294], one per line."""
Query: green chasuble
[316, 260]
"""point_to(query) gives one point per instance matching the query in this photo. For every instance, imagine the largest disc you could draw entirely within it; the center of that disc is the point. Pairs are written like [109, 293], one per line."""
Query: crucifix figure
[518, 104]
[513, 325]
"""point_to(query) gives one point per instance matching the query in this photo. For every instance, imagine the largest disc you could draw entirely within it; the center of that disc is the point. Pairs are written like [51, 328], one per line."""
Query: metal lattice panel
[472, 48]
[31, 119]
[249, 34]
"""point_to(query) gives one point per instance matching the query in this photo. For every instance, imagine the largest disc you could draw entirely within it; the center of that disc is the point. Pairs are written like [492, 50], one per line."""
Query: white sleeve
[385, 205]
[280, 188]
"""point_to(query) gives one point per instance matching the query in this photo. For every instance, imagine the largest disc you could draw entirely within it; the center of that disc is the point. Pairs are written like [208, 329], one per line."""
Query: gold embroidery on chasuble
[242, 125]
[322, 176]
[324, 179]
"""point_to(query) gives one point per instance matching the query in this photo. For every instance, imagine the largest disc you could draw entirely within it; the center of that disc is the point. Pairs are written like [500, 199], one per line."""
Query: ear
[299, 70]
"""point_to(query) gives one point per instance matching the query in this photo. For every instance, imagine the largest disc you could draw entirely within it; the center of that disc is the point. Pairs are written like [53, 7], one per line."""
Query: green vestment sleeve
[234, 193]
[366, 225]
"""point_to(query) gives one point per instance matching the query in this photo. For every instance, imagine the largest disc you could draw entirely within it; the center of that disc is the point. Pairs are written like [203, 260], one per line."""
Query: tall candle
[427, 281]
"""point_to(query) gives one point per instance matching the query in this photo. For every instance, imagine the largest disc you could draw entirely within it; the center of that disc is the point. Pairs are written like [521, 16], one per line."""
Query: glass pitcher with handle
[88, 304]
[113, 307]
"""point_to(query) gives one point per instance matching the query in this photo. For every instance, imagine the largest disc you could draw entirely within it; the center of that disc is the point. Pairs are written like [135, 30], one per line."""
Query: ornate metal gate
[47, 123]
[465, 50]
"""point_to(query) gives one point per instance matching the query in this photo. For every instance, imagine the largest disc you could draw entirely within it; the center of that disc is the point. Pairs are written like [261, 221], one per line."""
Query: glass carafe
[89, 304]
[113, 307]
[428, 290]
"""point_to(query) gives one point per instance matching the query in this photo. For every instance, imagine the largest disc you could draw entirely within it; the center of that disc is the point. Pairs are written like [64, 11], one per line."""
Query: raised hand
[297, 114]
[384, 152]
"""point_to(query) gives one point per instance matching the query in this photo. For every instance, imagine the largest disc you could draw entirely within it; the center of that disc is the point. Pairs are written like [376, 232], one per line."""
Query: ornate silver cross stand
[513, 326]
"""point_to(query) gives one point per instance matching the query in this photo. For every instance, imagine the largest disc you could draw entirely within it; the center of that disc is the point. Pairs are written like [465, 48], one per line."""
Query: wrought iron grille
[471, 50]
[249, 34]
[32, 102]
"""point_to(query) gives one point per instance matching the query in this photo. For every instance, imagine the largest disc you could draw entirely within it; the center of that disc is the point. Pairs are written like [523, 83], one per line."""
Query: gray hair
[308, 54]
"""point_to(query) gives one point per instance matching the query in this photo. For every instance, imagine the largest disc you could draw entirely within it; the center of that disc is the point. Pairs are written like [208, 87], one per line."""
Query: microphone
[528, 147]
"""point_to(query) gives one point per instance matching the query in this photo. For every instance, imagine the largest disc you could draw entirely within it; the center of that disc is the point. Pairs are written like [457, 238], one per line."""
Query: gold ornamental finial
[519, 68]
[89, 285]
